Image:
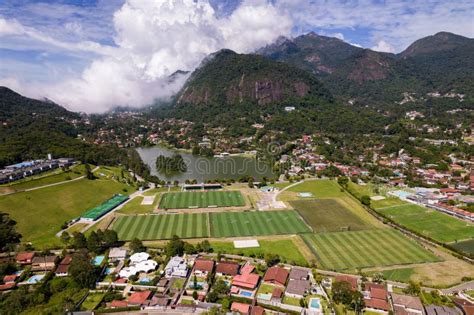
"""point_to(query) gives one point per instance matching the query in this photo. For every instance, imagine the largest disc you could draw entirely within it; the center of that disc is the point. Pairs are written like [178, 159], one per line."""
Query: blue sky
[113, 52]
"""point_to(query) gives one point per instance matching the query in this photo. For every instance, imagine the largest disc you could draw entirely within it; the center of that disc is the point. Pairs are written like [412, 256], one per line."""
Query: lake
[206, 168]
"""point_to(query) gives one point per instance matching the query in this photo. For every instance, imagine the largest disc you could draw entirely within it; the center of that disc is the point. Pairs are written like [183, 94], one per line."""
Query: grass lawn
[266, 288]
[134, 206]
[281, 185]
[40, 213]
[202, 199]
[291, 301]
[50, 177]
[162, 226]
[177, 283]
[387, 202]
[363, 249]
[360, 190]
[328, 215]
[319, 188]
[286, 249]
[252, 223]
[154, 191]
[465, 246]
[92, 301]
[400, 275]
[429, 222]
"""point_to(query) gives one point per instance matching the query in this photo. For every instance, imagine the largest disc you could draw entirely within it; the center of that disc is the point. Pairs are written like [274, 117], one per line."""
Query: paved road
[50, 185]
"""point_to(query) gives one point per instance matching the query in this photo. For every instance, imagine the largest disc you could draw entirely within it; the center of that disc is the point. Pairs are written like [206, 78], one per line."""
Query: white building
[176, 267]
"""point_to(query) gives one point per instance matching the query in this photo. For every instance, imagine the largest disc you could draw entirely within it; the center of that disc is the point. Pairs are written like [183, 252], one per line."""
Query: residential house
[246, 279]
[10, 278]
[227, 268]
[466, 306]
[276, 275]
[202, 267]
[24, 258]
[44, 263]
[299, 273]
[63, 266]
[277, 294]
[376, 297]
[441, 310]
[176, 267]
[140, 298]
[117, 254]
[406, 304]
[240, 308]
[297, 288]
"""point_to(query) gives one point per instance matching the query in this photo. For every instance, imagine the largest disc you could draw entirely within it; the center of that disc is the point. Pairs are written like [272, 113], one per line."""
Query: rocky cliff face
[230, 78]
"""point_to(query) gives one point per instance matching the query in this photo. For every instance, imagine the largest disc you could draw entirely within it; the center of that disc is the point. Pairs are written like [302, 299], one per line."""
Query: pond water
[206, 168]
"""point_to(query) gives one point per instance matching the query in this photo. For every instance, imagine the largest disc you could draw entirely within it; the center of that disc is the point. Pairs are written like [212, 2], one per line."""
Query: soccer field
[163, 226]
[228, 224]
[329, 215]
[361, 249]
[429, 222]
[202, 199]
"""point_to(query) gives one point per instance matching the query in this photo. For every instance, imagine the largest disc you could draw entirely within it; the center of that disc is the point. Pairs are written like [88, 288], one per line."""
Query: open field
[285, 248]
[465, 246]
[46, 178]
[202, 199]
[329, 215]
[387, 202]
[319, 188]
[134, 206]
[400, 275]
[362, 249]
[250, 223]
[40, 213]
[429, 222]
[163, 226]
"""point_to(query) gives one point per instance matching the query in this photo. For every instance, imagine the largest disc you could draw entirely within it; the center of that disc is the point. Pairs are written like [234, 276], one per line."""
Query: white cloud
[154, 39]
[383, 46]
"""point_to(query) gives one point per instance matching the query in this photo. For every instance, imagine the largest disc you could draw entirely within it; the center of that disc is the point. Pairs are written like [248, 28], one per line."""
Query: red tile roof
[276, 275]
[25, 256]
[227, 268]
[248, 268]
[66, 260]
[62, 269]
[377, 304]
[204, 265]
[257, 310]
[248, 281]
[118, 303]
[9, 278]
[139, 298]
[277, 293]
[121, 280]
[240, 307]
[7, 286]
[377, 291]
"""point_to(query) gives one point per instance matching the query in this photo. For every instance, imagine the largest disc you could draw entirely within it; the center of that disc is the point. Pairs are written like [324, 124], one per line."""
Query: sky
[93, 55]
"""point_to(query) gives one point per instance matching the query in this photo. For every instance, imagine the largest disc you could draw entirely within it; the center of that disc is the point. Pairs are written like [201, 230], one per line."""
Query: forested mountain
[230, 78]
[443, 62]
[30, 129]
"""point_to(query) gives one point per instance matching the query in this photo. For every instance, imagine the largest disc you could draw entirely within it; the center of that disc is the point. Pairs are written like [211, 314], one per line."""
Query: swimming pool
[265, 297]
[245, 293]
[98, 260]
[315, 303]
[109, 270]
[35, 279]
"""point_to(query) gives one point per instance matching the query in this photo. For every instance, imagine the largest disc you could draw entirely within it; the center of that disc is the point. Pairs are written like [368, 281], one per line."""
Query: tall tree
[8, 235]
[82, 271]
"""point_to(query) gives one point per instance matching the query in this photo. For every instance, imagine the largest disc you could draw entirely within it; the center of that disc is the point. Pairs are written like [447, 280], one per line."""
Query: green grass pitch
[228, 224]
[429, 222]
[202, 199]
[163, 226]
[363, 249]
[328, 215]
